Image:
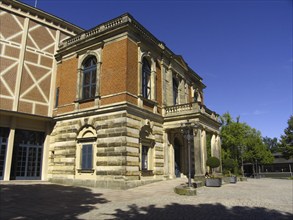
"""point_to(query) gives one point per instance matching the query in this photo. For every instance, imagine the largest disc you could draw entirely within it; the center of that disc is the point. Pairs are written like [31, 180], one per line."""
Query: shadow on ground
[202, 211]
[46, 201]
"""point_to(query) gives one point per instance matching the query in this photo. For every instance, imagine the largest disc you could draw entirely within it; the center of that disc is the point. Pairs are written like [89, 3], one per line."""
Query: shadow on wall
[198, 212]
[46, 201]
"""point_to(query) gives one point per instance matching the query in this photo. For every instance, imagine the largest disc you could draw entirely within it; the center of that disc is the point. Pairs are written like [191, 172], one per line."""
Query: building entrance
[177, 158]
[27, 155]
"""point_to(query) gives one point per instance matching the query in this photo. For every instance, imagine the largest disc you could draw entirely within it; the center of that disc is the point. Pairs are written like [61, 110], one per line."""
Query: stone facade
[112, 104]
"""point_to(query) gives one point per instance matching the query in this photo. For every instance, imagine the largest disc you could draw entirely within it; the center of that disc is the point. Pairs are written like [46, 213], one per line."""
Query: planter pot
[243, 178]
[233, 179]
[213, 182]
[230, 179]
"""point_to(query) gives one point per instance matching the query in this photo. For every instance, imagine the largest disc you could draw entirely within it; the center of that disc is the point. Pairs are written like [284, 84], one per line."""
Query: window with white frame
[85, 151]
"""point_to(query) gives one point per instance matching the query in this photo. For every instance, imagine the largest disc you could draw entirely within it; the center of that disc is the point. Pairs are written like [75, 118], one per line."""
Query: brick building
[103, 107]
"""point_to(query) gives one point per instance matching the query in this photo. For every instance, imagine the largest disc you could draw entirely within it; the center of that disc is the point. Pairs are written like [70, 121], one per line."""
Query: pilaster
[8, 159]
[46, 146]
[139, 76]
[53, 76]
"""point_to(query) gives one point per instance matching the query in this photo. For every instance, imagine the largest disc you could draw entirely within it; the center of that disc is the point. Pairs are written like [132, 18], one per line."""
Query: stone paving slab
[254, 199]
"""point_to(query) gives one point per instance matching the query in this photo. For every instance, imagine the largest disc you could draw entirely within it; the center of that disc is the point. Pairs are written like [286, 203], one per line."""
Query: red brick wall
[132, 67]
[114, 67]
[113, 74]
[119, 74]
[66, 80]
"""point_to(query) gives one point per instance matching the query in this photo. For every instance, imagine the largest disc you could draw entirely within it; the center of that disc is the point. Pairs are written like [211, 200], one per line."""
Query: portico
[204, 130]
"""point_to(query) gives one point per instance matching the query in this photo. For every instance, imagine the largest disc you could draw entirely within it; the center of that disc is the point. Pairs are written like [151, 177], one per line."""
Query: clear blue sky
[241, 49]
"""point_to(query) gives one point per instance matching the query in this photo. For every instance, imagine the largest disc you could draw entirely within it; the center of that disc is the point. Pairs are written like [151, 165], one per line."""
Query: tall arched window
[146, 79]
[175, 92]
[89, 77]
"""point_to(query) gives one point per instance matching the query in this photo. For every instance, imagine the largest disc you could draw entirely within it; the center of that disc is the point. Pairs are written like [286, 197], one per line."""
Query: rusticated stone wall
[117, 154]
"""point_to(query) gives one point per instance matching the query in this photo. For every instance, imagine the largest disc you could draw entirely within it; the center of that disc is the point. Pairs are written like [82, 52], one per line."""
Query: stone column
[213, 146]
[203, 150]
[197, 151]
[171, 159]
[219, 149]
[166, 153]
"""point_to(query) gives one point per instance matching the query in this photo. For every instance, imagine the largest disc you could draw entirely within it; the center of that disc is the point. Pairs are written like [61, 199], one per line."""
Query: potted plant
[213, 162]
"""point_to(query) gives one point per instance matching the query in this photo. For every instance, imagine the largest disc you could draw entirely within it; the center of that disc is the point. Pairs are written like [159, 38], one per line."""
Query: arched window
[89, 77]
[146, 79]
[85, 150]
[175, 92]
[147, 141]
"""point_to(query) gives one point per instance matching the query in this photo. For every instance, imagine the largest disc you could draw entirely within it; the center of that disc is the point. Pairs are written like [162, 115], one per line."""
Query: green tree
[232, 137]
[256, 150]
[240, 142]
[271, 144]
[286, 142]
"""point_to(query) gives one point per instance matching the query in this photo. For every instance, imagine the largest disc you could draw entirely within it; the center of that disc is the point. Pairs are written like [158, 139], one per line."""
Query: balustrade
[190, 107]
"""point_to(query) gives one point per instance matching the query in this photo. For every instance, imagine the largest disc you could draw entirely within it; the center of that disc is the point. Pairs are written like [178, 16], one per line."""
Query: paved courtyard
[254, 199]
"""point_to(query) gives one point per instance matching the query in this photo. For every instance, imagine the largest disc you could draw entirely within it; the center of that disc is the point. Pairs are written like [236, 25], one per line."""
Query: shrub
[229, 165]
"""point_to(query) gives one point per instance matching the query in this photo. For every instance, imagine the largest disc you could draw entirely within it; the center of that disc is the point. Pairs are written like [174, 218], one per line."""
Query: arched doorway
[178, 162]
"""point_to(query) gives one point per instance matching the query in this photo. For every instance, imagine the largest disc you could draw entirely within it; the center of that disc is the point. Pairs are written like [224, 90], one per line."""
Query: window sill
[87, 100]
[147, 173]
[148, 102]
[85, 171]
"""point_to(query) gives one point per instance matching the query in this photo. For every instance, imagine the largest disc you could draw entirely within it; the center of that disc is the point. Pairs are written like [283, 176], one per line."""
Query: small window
[89, 70]
[87, 157]
[146, 79]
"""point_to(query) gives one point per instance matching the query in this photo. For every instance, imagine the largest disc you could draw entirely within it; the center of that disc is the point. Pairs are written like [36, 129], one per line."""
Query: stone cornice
[127, 24]
[118, 107]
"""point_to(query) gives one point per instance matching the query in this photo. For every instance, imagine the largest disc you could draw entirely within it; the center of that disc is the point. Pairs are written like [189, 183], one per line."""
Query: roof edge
[42, 14]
